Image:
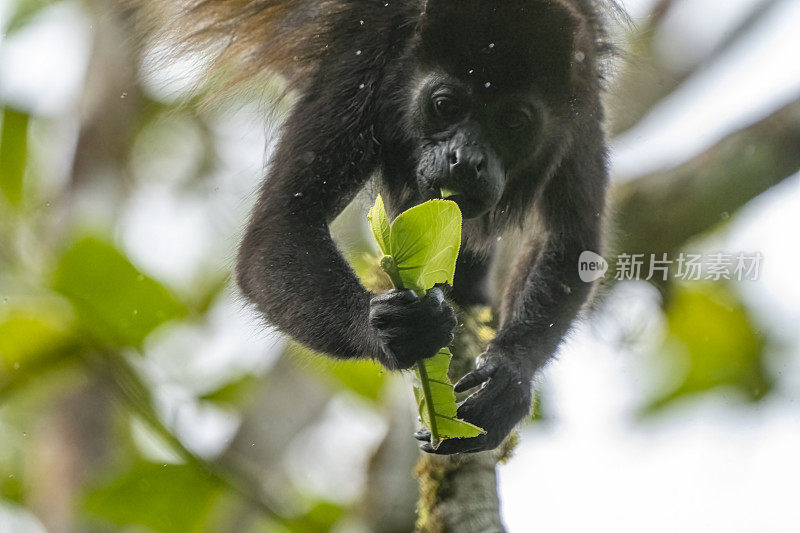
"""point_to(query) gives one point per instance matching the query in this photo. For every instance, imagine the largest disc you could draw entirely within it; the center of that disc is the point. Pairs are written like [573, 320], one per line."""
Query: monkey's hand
[502, 401]
[408, 329]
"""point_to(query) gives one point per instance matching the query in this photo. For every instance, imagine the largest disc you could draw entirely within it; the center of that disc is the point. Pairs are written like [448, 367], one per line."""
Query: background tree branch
[659, 212]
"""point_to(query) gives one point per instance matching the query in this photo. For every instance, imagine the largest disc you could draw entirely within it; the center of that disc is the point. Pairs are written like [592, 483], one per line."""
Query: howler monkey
[495, 101]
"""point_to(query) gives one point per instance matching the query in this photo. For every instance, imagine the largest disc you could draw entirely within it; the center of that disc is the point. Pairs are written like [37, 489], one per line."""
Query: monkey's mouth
[470, 207]
[446, 194]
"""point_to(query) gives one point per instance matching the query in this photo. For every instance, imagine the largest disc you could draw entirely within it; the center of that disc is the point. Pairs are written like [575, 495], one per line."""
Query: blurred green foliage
[165, 498]
[364, 378]
[33, 330]
[116, 303]
[712, 343]
[13, 153]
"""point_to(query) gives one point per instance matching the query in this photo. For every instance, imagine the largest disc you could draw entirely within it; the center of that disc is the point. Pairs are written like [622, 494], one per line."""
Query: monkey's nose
[467, 159]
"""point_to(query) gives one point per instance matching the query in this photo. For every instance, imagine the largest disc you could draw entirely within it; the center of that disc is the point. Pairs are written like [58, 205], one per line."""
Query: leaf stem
[389, 265]
[426, 391]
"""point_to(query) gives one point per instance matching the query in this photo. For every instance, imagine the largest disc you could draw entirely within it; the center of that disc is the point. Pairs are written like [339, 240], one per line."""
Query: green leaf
[436, 389]
[424, 242]
[421, 247]
[320, 518]
[163, 498]
[362, 377]
[236, 392]
[114, 301]
[712, 343]
[33, 330]
[379, 223]
[13, 154]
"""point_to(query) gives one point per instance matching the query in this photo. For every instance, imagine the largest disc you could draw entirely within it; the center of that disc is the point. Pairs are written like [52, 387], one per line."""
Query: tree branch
[459, 493]
[646, 78]
[660, 212]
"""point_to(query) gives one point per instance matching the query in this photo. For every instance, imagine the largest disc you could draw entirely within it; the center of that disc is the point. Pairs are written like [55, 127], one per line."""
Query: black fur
[498, 101]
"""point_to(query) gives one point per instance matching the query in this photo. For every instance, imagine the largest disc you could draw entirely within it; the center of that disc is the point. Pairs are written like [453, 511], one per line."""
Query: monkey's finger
[436, 295]
[446, 288]
[451, 446]
[395, 296]
[423, 434]
[476, 377]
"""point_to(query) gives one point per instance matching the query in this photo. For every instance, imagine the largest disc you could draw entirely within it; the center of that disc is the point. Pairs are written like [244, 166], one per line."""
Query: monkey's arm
[288, 263]
[540, 314]
[551, 293]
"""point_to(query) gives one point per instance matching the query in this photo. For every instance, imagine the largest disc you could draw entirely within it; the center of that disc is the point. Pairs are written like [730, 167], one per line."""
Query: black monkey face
[495, 85]
[470, 139]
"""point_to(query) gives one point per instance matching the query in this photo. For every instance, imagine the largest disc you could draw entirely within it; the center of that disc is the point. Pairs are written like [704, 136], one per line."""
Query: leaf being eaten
[420, 250]
[443, 414]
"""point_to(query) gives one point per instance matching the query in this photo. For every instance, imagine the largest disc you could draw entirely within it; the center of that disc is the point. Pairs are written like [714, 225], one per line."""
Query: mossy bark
[459, 493]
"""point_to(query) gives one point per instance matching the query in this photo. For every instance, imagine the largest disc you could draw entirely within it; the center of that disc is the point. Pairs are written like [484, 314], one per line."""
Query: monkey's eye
[447, 107]
[515, 119]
